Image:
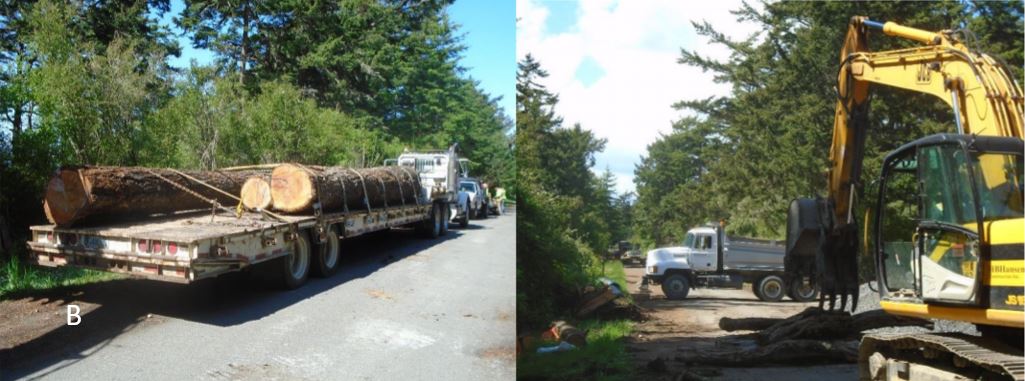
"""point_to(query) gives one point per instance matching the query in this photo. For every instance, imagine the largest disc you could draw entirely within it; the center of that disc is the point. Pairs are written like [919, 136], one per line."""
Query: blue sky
[488, 28]
[613, 65]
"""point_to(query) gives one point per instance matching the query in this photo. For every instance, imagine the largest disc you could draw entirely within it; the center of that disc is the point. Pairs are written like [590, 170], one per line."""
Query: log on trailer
[256, 193]
[77, 195]
[296, 188]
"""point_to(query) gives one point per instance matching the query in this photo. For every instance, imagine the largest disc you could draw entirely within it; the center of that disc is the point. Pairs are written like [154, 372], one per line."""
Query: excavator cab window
[999, 181]
[946, 186]
[895, 225]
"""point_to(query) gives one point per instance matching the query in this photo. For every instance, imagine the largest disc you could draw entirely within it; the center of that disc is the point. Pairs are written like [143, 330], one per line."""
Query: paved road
[400, 308]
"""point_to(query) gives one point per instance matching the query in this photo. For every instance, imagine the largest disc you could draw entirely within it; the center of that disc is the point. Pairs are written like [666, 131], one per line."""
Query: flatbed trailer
[191, 246]
[188, 247]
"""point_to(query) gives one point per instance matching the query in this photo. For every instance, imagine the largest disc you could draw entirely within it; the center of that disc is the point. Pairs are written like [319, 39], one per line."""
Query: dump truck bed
[753, 254]
[191, 246]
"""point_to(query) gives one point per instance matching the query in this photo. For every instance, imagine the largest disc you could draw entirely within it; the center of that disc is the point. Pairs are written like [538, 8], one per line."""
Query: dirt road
[401, 307]
[677, 327]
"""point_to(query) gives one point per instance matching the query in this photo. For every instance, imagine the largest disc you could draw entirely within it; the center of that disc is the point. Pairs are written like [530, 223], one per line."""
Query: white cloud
[636, 44]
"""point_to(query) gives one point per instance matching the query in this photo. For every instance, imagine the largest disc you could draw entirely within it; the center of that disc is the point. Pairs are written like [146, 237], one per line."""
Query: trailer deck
[186, 247]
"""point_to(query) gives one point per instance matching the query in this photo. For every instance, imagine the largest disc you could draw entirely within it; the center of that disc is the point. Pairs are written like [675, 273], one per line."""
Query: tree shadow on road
[233, 299]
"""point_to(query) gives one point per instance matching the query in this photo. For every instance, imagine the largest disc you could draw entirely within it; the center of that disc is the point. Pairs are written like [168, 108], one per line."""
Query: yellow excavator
[946, 229]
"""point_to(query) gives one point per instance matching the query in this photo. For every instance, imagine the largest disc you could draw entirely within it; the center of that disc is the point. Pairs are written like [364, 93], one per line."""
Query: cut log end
[66, 197]
[291, 188]
[256, 193]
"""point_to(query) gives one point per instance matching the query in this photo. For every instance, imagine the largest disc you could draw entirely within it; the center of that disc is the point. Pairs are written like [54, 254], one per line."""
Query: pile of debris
[605, 301]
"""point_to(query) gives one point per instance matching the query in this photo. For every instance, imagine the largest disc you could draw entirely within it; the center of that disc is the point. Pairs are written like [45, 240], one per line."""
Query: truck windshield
[467, 187]
[688, 241]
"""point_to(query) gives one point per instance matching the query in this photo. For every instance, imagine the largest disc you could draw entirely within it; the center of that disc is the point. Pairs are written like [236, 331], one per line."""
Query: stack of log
[295, 188]
[812, 336]
[87, 194]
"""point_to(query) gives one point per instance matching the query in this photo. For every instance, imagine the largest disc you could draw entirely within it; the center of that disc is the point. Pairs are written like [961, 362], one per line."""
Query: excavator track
[957, 352]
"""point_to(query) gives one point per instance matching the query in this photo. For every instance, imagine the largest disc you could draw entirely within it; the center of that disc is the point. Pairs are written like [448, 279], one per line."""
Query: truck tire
[295, 267]
[431, 227]
[444, 220]
[327, 254]
[465, 221]
[770, 288]
[801, 292]
[676, 287]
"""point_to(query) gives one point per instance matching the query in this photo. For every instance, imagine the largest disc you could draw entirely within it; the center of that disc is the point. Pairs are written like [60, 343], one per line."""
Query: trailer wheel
[326, 258]
[676, 287]
[296, 266]
[431, 227]
[770, 289]
[802, 292]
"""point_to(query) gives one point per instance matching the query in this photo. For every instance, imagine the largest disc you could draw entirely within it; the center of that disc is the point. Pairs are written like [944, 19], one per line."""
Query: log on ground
[787, 352]
[295, 188]
[814, 323]
[570, 334]
[746, 324]
[80, 195]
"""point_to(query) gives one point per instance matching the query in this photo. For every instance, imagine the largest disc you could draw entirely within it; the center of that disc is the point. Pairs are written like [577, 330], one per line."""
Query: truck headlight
[653, 270]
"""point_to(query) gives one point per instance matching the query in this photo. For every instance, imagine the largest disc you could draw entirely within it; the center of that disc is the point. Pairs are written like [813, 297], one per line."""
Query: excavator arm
[822, 235]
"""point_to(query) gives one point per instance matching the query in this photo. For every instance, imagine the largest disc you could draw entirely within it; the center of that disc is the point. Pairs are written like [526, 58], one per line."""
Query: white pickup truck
[708, 258]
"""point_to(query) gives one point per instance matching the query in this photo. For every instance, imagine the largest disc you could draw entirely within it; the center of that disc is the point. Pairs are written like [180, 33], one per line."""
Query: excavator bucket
[819, 250]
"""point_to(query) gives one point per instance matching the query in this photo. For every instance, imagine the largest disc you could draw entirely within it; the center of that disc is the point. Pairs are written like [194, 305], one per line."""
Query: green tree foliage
[392, 66]
[745, 156]
[566, 216]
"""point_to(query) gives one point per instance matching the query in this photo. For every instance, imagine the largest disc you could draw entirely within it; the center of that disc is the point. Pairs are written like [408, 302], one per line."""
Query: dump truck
[189, 246]
[709, 258]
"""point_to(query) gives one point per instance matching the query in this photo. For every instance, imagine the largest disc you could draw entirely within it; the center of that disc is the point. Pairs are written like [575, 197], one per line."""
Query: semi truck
[708, 258]
[191, 246]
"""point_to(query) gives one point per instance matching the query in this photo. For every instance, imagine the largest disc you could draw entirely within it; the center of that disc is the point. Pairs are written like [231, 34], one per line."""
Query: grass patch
[614, 270]
[17, 277]
[603, 358]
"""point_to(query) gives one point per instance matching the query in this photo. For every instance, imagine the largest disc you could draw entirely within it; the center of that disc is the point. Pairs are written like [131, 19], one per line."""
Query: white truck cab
[440, 172]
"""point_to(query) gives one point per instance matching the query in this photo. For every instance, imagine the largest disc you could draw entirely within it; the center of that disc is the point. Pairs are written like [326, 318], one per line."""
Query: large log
[79, 195]
[255, 193]
[294, 188]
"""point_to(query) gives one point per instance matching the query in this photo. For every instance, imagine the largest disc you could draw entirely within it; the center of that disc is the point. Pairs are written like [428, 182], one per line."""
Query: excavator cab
[945, 204]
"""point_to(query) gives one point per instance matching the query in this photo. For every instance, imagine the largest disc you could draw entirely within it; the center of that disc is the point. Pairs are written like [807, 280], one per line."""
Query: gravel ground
[869, 300]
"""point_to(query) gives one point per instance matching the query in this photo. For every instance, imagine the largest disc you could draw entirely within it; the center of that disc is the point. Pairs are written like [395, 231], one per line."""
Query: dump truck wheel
[770, 289]
[326, 258]
[295, 267]
[802, 292]
[676, 287]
